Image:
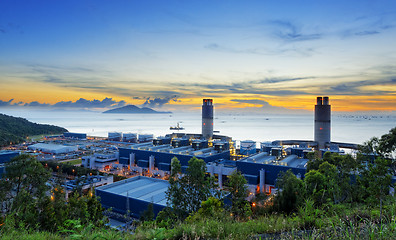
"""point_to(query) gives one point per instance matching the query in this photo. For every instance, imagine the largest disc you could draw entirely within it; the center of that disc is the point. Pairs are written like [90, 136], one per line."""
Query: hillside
[132, 109]
[15, 129]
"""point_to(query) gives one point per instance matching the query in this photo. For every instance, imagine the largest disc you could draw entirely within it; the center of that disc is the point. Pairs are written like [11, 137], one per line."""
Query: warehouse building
[100, 161]
[79, 136]
[150, 156]
[262, 169]
[52, 148]
[6, 156]
[134, 195]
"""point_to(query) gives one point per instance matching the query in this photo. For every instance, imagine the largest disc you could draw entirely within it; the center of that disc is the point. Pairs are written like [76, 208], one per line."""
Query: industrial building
[262, 169]
[87, 182]
[79, 136]
[145, 138]
[52, 148]
[247, 147]
[158, 157]
[260, 166]
[130, 137]
[6, 156]
[100, 161]
[114, 136]
[134, 195]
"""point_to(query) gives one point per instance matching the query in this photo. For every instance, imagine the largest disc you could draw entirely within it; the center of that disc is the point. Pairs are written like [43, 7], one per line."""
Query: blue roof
[142, 188]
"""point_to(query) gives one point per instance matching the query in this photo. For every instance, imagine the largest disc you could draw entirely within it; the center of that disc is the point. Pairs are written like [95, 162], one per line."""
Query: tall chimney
[207, 119]
[322, 122]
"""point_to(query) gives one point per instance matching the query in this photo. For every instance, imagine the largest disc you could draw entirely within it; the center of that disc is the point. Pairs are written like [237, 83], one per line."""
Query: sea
[345, 127]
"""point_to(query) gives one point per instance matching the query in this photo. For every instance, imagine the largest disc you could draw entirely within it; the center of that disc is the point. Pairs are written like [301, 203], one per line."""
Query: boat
[178, 127]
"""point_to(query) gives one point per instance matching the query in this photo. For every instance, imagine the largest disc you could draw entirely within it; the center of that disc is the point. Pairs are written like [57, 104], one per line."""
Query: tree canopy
[15, 130]
[186, 193]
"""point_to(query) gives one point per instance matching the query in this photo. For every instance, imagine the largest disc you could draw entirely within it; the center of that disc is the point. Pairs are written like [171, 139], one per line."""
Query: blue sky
[250, 54]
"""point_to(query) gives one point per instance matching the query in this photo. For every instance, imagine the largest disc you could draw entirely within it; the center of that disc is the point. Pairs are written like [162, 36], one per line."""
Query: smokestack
[322, 122]
[207, 118]
[319, 101]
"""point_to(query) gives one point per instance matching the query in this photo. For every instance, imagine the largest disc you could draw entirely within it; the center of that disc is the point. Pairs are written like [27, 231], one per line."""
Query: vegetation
[186, 193]
[69, 169]
[341, 197]
[29, 203]
[240, 208]
[14, 130]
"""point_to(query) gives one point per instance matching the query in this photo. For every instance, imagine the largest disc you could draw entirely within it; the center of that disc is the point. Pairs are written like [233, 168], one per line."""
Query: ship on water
[178, 127]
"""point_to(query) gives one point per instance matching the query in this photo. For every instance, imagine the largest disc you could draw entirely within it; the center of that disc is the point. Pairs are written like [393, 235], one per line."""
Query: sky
[260, 56]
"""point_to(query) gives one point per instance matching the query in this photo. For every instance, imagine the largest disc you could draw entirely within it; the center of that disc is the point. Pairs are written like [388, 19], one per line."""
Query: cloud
[289, 31]
[219, 48]
[355, 88]
[300, 51]
[252, 101]
[159, 102]
[36, 104]
[8, 103]
[363, 33]
[79, 104]
[367, 26]
[265, 106]
[84, 103]
[267, 86]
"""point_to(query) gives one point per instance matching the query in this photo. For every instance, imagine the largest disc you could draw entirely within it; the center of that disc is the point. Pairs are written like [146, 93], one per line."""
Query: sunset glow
[254, 56]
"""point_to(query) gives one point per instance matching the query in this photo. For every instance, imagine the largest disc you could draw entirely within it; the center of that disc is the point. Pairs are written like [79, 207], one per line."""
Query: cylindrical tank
[322, 122]
[207, 118]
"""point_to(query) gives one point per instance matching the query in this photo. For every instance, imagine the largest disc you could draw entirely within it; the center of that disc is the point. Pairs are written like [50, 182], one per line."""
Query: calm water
[345, 128]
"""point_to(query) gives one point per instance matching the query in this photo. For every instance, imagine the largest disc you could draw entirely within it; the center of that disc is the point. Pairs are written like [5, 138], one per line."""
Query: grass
[73, 162]
[349, 221]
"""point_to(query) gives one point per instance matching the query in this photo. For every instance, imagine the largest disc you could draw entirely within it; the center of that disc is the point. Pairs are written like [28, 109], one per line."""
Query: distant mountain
[15, 129]
[132, 109]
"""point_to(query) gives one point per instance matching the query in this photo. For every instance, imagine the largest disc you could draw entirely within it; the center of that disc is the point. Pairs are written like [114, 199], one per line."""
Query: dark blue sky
[268, 51]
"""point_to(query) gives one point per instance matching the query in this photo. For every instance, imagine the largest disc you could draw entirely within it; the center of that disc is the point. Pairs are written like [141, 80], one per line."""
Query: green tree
[377, 179]
[237, 186]
[23, 190]
[185, 194]
[213, 208]
[314, 162]
[315, 183]
[25, 172]
[148, 214]
[290, 194]
[331, 188]
[175, 167]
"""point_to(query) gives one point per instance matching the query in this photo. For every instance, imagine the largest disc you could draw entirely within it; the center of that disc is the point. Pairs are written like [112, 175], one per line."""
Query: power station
[207, 119]
[322, 122]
